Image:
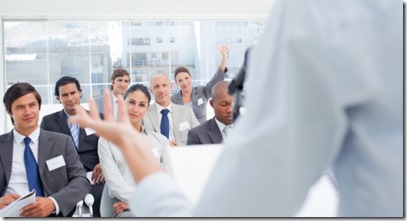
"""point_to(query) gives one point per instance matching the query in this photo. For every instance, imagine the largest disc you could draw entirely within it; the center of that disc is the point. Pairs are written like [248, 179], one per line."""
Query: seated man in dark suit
[68, 92]
[33, 158]
[214, 131]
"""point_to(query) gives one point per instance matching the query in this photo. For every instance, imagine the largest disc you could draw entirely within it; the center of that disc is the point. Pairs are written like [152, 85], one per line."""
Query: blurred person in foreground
[324, 88]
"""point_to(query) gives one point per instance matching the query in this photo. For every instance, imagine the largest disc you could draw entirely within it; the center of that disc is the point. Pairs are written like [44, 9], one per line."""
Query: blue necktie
[165, 124]
[31, 168]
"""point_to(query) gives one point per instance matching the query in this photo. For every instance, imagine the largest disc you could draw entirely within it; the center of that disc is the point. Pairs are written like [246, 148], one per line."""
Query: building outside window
[42, 51]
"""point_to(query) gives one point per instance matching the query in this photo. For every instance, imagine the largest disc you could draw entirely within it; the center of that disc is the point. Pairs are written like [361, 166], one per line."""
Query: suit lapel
[152, 114]
[175, 118]
[178, 98]
[195, 98]
[45, 145]
[62, 123]
[6, 154]
[214, 132]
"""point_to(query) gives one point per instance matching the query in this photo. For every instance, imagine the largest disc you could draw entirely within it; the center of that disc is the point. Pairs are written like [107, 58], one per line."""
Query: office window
[139, 41]
[42, 51]
[164, 56]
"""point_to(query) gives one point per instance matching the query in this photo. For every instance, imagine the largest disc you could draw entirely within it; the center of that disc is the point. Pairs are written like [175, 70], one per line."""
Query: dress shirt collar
[19, 138]
[222, 125]
[114, 98]
[160, 108]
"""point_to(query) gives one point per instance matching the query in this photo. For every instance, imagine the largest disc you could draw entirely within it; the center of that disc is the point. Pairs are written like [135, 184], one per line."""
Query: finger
[94, 110]
[122, 109]
[94, 176]
[82, 118]
[101, 178]
[14, 196]
[107, 103]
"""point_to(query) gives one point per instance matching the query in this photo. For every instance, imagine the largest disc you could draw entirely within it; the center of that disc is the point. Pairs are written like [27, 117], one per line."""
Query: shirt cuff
[159, 195]
[56, 212]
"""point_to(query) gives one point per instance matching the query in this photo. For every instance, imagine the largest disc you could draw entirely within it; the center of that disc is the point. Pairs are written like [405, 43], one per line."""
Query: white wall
[136, 8]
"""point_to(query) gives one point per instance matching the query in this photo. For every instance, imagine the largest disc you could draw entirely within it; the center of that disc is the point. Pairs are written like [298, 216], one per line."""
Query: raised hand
[136, 147]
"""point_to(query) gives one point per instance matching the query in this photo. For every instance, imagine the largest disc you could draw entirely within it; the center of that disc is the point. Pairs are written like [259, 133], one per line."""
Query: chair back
[106, 203]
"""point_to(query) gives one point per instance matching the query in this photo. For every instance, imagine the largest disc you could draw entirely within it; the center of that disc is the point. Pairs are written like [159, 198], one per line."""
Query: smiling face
[120, 85]
[137, 106]
[69, 96]
[25, 111]
[184, 81]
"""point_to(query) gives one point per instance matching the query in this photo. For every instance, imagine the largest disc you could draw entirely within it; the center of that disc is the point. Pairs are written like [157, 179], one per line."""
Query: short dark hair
[64, 81]
[139, 87]
[119, 72]
[179, 70]
[16, 91]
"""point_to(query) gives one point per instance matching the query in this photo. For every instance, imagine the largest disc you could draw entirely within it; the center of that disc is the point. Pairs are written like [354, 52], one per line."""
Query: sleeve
[193, 121]
[78, 185]
[219, 76]
[192, 138]
[117, 184]
[160, 190]
[44, 124]
[293, 125]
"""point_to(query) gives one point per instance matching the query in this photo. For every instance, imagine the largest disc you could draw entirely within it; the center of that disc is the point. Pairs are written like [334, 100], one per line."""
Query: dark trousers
[97, 190]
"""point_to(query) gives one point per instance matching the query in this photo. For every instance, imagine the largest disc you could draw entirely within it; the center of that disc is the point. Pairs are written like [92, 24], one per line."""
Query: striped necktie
[75, 134]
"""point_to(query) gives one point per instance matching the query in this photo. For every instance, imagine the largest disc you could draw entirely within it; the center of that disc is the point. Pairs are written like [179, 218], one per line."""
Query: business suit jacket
[87, 151]
[180, 114]
[67, 184]
[99, 104]
[200, 96]
[206, 133]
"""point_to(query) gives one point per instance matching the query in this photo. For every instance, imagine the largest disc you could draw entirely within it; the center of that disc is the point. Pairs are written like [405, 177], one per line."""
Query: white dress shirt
[324, 88]
[117, 174]
[18, 183]
[159, 109]
[115, 106]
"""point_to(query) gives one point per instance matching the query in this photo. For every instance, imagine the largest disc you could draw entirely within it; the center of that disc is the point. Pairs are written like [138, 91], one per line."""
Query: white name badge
[55, 163]
[184, 126]
[89, 131]
[200, 101]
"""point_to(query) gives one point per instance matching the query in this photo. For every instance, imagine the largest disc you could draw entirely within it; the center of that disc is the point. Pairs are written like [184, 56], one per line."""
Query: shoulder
[202, 127]
[51, 116]
[51, 135]
[176, 98]
[198, 88]
[179, 107]
[6, 136]
[158, 137]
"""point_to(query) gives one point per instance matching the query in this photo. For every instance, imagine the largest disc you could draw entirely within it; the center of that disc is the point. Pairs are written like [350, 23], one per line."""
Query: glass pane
[40, 52]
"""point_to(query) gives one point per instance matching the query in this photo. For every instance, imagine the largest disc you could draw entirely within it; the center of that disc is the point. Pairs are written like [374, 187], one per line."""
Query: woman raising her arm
[197, 97]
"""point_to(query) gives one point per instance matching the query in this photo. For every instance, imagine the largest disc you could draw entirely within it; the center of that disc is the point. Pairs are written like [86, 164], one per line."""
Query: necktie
[226, 130]
[31, 168]
[165, 124]
[75, 134]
